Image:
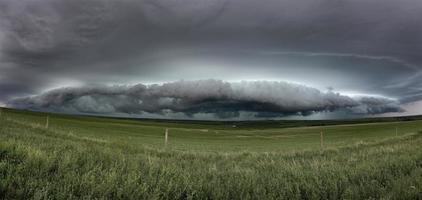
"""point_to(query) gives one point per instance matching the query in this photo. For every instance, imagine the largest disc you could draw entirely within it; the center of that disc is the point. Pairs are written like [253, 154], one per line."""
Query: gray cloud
[346, 55]
[222, 99]
[370, 47]
[376, 105]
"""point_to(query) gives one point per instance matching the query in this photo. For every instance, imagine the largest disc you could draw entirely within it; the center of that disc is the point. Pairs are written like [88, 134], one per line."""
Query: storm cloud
[371, 48]
[221, 99]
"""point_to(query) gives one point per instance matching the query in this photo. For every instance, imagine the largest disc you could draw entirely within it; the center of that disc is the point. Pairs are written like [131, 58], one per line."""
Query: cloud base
[205, 99]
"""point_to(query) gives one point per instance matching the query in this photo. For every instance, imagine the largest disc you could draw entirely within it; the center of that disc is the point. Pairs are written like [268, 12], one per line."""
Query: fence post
[46, 122]
[166, 137]
[322, 139]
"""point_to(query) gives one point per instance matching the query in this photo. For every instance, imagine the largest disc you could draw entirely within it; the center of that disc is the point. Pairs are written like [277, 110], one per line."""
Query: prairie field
[54, 156]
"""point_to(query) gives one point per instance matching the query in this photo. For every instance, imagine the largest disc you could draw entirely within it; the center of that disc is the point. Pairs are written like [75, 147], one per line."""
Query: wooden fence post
[166, 137]
[322, 139]
[47, 122]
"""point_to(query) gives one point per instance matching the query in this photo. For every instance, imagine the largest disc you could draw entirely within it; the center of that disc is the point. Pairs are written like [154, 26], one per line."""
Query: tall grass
[36, 163]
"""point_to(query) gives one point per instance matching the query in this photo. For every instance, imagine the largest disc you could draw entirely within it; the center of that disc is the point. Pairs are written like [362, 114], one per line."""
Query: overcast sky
[213, 59]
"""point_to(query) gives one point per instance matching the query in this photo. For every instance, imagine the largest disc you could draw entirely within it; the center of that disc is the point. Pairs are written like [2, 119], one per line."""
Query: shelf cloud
[219, 98]
[355, 46]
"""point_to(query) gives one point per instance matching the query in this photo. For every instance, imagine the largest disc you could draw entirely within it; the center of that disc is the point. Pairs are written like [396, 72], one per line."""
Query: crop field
[53, 156]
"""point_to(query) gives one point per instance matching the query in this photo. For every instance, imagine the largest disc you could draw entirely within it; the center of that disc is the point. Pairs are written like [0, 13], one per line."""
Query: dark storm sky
[319, 58]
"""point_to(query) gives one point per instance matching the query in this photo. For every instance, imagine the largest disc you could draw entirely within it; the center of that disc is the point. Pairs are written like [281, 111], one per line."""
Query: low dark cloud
[221, 99]
[356, 46]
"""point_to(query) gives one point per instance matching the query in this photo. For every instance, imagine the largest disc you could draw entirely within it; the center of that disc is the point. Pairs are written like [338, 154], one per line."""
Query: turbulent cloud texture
[222, 99]
[362, 46]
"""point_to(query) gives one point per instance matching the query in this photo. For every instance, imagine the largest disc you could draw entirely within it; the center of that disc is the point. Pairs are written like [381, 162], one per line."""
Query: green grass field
[81, 157]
